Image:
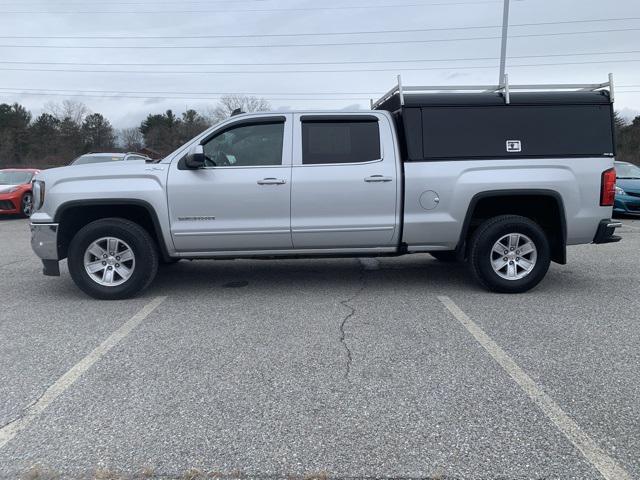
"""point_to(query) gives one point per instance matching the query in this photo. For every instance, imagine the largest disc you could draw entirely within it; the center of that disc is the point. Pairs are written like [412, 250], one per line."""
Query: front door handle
[272, 181]
[378, 179]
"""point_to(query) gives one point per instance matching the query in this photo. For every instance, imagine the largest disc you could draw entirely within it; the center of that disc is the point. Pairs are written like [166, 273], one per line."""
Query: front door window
[256, 145]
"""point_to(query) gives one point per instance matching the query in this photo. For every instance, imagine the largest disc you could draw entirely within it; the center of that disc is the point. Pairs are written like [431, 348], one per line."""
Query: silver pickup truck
[501, 180]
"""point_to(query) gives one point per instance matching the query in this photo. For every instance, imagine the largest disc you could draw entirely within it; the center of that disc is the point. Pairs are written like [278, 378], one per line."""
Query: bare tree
[229, 103]
[131, 139]
[74, 110]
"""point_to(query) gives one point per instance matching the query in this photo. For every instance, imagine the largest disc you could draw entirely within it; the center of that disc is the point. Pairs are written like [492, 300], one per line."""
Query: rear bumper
[605, 232]
[44, 242]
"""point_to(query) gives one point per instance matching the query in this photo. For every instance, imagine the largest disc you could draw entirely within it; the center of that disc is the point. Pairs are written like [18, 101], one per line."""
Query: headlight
[619, 191]
[38, 194]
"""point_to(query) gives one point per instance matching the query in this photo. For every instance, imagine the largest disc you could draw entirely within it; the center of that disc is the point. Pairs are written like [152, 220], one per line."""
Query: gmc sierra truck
[500, 179]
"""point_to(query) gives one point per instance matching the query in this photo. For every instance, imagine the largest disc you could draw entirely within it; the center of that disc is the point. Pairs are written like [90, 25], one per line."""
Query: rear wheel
[112, 259]
[509, 254]
[26, 206]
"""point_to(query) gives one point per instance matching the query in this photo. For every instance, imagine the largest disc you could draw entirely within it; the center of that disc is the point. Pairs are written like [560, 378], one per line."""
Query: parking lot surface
[340, 368]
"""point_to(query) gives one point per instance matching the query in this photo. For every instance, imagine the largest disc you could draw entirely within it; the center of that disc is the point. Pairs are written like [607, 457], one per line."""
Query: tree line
[628, 140]
[69, 129]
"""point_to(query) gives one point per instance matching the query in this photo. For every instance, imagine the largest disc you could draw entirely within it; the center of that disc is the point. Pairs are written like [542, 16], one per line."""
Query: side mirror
[195, 158]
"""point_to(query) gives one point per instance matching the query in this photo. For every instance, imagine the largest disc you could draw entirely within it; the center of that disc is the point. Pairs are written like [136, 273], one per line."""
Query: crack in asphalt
[346, 318]
[23, 411]
[631, 300]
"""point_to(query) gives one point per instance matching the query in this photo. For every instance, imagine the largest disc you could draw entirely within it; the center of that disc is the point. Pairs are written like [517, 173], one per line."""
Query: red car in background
[16, 197]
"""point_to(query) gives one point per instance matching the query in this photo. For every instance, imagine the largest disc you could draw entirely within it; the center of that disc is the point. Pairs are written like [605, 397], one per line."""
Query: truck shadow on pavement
[337, 277]
[4, 218]
[424, 275]
[292, 275]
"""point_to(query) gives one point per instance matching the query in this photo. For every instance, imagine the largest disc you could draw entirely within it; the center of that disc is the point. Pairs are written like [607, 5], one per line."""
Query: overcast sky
[430, 62]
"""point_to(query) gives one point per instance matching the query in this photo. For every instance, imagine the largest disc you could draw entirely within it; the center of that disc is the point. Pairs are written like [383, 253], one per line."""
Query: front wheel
[509, 254]
[112, 259]
[27, 204]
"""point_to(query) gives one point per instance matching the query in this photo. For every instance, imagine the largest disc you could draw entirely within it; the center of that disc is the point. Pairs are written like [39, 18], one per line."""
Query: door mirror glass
[195, 158]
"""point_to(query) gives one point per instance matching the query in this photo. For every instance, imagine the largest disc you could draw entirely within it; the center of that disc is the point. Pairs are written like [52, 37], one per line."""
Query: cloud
[456, 75]
[428, 63]
[353, 106]
[629, 114]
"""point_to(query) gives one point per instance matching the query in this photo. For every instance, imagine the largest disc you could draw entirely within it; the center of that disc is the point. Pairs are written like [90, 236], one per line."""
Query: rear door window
[335, 141]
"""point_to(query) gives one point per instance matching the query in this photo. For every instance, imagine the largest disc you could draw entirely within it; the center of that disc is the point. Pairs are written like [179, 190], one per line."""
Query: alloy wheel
[513, 256]
[27, 205]
[109, 261]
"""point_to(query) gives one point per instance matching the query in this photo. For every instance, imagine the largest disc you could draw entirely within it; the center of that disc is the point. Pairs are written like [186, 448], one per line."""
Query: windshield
[84, 159]
[14, 178]
[627, 170]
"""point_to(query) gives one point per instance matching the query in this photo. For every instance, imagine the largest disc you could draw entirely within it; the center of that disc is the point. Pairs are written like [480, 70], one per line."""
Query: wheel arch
[75, 214]
[484, 205]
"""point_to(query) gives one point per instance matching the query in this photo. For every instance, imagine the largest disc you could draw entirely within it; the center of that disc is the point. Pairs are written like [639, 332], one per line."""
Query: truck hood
[92, 171]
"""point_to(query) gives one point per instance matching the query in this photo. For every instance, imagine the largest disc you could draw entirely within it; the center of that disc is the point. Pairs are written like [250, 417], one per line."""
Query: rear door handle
[378, 179]
[272, 181]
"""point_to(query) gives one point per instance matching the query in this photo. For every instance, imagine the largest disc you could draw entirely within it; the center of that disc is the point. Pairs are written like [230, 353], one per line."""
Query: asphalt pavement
[329, 368]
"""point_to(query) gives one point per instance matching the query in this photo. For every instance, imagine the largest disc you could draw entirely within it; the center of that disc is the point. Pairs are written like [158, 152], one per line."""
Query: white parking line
[65, 381]
[607, 466]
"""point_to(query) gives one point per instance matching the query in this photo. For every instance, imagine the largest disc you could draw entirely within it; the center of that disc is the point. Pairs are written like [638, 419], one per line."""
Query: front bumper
[44, 242]
[9, 204]
[605, 231]
[627, 205]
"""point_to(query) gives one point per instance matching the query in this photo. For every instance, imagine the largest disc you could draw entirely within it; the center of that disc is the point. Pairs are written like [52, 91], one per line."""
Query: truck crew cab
[502, 180]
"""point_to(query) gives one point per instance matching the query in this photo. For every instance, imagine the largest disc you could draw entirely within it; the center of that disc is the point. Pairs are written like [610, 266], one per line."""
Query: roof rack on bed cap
[400, 91]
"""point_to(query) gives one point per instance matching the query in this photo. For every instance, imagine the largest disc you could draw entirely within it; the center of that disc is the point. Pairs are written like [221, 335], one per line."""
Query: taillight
[608, 188]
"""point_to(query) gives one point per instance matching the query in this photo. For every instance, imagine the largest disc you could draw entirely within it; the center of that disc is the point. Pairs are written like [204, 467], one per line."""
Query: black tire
[445, 256]
[485, 238]
[141, 243]
[26, 205]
